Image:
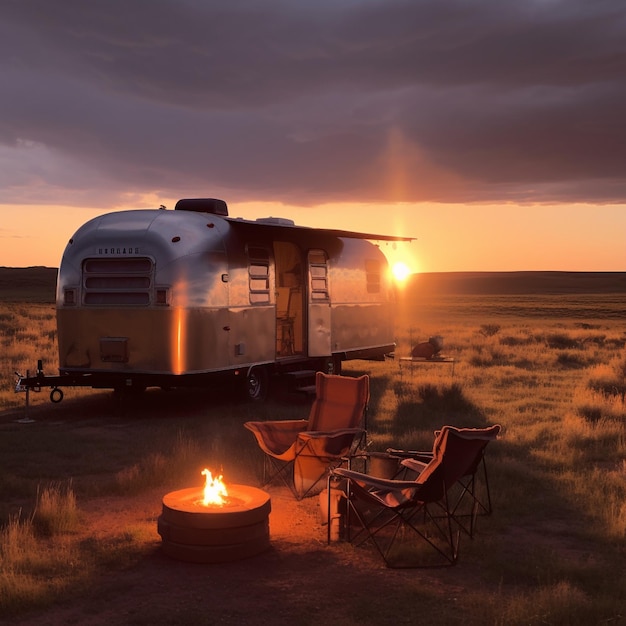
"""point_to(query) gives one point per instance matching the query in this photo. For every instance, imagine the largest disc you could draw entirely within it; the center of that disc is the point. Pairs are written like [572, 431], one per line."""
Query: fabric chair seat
[300, 452]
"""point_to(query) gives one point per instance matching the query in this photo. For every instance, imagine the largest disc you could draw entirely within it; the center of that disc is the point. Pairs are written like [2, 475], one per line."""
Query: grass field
[550, 368]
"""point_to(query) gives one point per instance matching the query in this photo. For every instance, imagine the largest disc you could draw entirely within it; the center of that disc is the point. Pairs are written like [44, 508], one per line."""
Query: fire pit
[215, 524]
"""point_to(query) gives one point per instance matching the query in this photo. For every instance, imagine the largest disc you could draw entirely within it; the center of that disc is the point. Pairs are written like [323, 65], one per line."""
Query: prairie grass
[160, 468]
[33, 568]
[56, 511]
[27, 334]
[549, 369]
[40, 562]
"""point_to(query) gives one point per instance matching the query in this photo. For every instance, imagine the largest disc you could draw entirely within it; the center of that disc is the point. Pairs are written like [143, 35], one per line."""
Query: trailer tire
[56, 395]
[257, 384]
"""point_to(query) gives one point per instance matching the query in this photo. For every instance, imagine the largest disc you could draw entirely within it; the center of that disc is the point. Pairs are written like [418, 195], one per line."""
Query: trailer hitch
[21, 386]
[26, 384]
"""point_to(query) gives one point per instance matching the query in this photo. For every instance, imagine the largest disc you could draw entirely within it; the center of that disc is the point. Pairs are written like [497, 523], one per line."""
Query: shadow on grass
[429, 407]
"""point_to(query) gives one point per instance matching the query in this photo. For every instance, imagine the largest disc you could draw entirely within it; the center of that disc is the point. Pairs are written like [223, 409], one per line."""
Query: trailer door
[318, 304]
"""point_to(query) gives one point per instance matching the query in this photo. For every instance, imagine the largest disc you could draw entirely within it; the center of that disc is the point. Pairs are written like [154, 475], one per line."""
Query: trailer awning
[280, 227]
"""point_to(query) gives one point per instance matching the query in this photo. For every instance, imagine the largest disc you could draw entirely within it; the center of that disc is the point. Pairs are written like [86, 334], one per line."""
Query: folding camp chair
[403, 517]
[473, 496]
[300, 452]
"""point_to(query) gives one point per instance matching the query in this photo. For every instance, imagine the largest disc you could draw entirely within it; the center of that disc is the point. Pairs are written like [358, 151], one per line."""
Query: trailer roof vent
[276, 221]
[203, 205]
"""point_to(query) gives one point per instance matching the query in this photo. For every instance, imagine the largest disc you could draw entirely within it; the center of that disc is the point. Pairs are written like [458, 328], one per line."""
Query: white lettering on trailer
[130, 250]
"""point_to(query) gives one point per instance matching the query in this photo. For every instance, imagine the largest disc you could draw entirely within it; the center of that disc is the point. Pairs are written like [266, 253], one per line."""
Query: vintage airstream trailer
[172, 298]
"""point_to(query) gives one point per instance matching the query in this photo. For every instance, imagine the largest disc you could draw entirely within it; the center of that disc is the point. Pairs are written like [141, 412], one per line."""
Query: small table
[411, 360]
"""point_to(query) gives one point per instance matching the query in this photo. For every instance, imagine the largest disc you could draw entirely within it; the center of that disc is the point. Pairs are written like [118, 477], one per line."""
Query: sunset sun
[400, 270]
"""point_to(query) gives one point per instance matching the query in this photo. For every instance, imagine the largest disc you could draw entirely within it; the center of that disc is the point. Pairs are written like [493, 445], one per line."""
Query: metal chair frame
[379, 504]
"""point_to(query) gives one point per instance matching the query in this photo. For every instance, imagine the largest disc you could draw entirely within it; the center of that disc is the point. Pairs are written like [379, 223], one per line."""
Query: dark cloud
[306, 102]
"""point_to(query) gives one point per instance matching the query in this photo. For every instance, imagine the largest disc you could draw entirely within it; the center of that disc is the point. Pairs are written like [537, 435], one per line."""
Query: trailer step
[308, 390]
[301, 382]
[298, 374]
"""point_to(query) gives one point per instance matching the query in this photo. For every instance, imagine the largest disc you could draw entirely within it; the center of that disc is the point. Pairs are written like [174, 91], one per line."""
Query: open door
[318, 304]
[289, 299]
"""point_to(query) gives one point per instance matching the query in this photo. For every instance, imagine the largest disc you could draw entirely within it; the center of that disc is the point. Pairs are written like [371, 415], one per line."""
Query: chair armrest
[420, 455]
[414, 465]
[388, 492]
[329, 434]
[335, 443]
[282, 428]
[373, 481]
[276, 437]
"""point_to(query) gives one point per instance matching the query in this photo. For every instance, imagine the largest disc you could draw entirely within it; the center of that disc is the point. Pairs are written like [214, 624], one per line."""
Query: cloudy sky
[493, 131]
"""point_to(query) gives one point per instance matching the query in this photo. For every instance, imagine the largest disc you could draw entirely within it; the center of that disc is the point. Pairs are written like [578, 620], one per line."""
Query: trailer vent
[203, 205]
[117, 282]
[275, 221]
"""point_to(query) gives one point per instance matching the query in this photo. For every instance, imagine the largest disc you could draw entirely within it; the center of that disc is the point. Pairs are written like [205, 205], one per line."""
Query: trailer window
[259, 275]
[117, 281]
[318, 272]
[372, 276]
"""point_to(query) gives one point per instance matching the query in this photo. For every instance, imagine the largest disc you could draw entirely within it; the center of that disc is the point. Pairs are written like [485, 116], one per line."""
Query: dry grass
[550, 370]
[37, 559]
[27, 334]
[56, 512]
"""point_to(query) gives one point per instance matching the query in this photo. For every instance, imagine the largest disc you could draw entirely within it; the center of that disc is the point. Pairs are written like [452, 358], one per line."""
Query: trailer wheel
[56, 395]
[257, 383]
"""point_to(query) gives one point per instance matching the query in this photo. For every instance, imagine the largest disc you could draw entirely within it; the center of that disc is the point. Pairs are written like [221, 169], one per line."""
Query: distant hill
[28, 284]
[511, 283]
[38, 284]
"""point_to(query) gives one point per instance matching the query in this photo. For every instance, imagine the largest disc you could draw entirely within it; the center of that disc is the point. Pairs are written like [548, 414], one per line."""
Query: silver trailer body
[158, 297]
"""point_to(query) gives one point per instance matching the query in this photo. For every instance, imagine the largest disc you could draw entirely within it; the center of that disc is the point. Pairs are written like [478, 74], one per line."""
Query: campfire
[215, 492]
[215, 523]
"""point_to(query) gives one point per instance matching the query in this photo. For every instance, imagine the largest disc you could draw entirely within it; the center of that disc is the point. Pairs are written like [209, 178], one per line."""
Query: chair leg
[487, 509]
[273, 470]
[334, 508]
[328, 481]
[460, 513]
[480, 503]
[386, 530]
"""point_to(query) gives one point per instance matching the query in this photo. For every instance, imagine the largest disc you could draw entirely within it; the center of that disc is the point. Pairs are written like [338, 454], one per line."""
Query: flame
[215, 491]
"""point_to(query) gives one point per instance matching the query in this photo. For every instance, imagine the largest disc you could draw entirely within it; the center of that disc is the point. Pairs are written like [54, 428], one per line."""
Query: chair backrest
[340, 402]
[456, 453]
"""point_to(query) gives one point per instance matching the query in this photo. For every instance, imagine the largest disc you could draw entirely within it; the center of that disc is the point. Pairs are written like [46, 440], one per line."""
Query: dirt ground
[300, 580]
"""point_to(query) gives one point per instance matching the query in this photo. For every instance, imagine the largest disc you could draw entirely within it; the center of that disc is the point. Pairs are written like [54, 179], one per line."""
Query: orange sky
[448, 237]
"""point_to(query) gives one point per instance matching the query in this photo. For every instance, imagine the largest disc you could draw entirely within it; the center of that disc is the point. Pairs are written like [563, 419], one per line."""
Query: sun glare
[401, 271]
